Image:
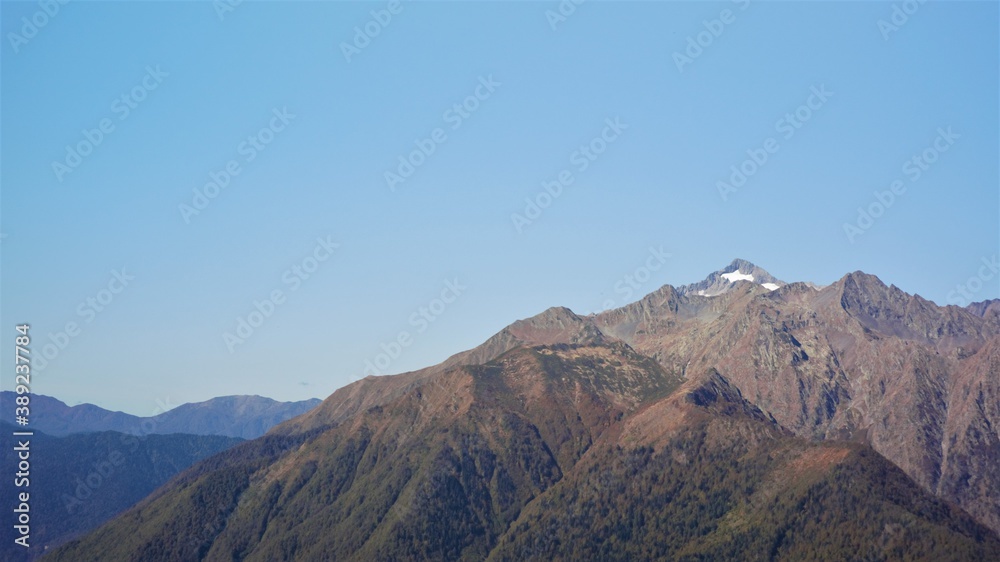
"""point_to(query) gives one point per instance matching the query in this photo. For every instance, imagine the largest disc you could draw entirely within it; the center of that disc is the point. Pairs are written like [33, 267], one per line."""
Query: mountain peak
[740, 264]
[554, 325]
[723, 280]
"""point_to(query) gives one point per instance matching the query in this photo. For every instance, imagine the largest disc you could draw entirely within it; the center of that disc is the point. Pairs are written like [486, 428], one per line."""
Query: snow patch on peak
[737, 276]
[769, 286]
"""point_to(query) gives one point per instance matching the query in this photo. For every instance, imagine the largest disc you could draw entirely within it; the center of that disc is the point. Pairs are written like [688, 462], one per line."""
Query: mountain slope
[710, 493]
[649, 505]
[476, 464]
[479, 442]
[852, 421]
[855, 360]
[555, 325]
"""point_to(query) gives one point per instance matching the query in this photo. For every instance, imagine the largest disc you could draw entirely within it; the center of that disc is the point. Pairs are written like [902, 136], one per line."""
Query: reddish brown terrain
[855, 360]
[852, 421]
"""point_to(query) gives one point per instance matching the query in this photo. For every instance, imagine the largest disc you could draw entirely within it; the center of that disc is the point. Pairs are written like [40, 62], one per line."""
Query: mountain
[56, 418]
[79, 481]
[852, 421]
[726, 278]
[245, 417]
[856, 360]
[985, 308]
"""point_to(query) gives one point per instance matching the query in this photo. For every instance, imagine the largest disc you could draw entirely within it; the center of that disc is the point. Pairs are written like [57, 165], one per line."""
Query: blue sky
[272, 81]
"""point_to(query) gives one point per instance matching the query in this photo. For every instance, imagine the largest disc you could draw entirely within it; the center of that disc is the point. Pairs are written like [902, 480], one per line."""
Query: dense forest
[563, 452]
[80, 481]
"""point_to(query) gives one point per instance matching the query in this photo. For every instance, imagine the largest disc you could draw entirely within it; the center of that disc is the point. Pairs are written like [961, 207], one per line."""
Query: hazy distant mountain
[245, 417]
[849, 422]
[79, 481]
[236, 416]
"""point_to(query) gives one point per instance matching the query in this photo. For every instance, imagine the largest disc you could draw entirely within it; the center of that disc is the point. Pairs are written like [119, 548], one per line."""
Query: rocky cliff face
[855, 360]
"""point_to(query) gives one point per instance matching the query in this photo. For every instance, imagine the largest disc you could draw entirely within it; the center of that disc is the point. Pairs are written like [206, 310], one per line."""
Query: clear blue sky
[207, 84]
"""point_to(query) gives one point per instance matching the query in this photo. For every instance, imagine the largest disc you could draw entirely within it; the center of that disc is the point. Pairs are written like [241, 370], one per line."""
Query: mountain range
[91, 464]
[245, 417]
[79, 481]
[741, 417]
